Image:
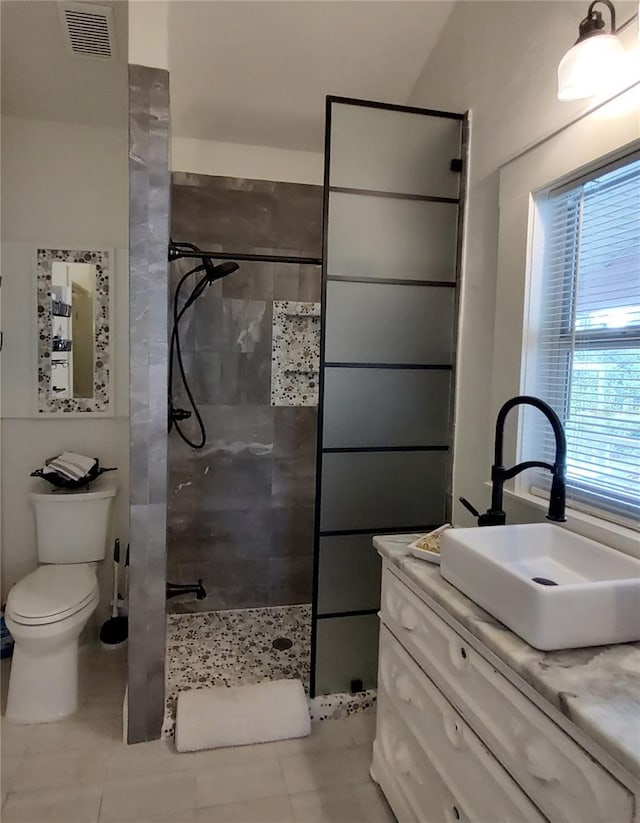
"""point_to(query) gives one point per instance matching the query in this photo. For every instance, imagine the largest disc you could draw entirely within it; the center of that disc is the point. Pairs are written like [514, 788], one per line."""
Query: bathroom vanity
[476, 725]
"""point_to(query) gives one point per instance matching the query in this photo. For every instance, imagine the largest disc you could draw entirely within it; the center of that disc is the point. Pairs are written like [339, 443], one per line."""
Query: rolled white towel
[239, 715]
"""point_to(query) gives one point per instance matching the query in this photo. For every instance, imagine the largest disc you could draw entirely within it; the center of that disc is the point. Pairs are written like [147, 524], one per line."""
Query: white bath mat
[238, 715]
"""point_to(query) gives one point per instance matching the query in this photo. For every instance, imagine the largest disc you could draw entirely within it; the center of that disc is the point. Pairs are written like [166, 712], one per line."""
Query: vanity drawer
[425, 793]
[558, 775]
[473, 775]
[388, 777]
[419, 784]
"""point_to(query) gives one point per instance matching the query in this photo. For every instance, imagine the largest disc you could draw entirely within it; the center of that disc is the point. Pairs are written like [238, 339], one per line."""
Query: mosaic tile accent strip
[295, 360]
[233, 648]
[344, 704]
[48, 403]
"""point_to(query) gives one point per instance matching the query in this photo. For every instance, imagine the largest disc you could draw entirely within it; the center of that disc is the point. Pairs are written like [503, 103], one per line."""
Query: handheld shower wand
[211, 274]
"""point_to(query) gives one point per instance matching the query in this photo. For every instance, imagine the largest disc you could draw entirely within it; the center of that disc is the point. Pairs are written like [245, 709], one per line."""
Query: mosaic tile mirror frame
[98, 399]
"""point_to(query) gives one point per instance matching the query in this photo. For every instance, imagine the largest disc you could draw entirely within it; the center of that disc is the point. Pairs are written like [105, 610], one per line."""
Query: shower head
[177, 251]
[221, 270]
[211, 274]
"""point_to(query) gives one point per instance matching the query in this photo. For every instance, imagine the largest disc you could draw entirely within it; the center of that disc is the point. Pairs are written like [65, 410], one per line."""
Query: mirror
[73, 331]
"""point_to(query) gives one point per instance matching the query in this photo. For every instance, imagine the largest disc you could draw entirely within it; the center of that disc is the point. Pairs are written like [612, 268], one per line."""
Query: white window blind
[586, 358]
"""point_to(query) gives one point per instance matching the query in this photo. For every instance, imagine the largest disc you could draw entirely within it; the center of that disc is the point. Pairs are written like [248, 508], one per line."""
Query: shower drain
[282, 643]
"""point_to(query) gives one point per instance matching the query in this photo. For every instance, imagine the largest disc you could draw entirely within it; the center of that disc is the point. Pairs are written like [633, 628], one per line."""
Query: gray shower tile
[295, 431]
[252, 593]
[310, 283]
[201, 328]
[253, 281]
[286, 282]
[298, 218]
[246, 326]
[294, 482]
[290, 579]
[204, 375]
[235, 430]
[246, 213]
[223, 481]
[239, 219]
[292, 530]
[246, 378]
[237, 583]
[248, 184]
[190, 222]
[187, 178]
[214, 535]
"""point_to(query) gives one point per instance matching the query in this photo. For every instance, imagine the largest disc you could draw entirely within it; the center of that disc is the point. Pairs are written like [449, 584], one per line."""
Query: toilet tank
[73, 527]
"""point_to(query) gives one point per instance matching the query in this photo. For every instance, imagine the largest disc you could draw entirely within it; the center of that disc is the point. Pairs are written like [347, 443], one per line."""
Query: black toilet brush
[115, 630]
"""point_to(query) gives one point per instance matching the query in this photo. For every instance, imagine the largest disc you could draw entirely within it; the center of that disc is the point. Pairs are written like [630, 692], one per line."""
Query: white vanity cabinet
[457, 741]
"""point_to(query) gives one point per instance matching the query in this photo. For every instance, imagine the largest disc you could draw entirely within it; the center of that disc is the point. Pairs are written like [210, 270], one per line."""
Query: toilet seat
[52, 593]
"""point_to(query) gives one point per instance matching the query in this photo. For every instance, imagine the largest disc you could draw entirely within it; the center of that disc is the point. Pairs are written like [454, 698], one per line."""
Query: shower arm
[181, 251]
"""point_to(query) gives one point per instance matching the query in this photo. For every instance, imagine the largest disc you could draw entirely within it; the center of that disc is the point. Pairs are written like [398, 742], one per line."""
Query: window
[585, 355]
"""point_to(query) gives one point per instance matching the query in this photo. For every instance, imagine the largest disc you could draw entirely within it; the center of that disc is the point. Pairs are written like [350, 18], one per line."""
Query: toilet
[47, 610]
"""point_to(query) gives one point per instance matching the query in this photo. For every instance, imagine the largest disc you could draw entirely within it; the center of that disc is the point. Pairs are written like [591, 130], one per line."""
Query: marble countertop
[597, 688]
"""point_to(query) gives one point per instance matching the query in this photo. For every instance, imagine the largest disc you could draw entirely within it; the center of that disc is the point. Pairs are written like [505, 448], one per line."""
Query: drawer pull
[408, 618]
[403, 760]
[453, 730]
[541, 762]
[403, 687]
[456, 813]
[460, 657]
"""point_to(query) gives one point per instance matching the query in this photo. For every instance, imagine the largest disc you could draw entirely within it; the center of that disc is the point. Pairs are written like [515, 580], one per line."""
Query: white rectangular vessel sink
[553, 588]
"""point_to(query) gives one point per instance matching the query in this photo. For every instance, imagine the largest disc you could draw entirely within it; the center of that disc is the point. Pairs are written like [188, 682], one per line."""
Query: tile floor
[79, 771]
[235, 647]
[232, 648]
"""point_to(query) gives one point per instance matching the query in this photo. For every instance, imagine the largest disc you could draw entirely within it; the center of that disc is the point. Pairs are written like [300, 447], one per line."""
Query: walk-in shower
[324, 372]
[241, 506]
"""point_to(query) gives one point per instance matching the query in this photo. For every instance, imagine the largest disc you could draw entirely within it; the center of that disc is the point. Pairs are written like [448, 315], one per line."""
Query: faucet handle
[469, 507]
[492, 517]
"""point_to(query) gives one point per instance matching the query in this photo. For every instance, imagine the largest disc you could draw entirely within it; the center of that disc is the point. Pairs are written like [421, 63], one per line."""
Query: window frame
[496, 368]
[584, 496]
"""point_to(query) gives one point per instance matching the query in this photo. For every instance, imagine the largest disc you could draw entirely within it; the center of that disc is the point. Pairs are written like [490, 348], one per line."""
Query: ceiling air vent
[89, 30]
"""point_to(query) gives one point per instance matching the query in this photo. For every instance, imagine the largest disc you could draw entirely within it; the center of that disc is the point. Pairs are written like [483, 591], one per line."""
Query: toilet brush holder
[115, 631]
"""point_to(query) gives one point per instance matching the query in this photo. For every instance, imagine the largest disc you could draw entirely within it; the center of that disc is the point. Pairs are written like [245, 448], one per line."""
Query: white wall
[499, 60]
[149, 33]
[252, 162]
[63, 186]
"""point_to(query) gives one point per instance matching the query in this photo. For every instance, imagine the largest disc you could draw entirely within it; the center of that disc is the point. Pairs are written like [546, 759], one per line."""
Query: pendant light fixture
[594, 62]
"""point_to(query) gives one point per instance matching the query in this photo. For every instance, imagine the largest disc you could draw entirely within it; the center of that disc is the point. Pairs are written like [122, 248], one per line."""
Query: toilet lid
[52, 593]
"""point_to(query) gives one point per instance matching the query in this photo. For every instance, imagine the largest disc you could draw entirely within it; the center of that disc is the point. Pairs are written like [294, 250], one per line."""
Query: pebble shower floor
[233, 648]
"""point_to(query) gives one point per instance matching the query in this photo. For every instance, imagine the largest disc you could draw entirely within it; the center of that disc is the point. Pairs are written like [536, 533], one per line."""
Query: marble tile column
[149, 199]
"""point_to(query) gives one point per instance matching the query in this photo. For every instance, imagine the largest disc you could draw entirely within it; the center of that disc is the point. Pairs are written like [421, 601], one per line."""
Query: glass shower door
[391, 238]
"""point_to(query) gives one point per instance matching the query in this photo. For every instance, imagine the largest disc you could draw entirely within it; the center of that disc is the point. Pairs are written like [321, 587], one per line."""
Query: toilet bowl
[46, 612]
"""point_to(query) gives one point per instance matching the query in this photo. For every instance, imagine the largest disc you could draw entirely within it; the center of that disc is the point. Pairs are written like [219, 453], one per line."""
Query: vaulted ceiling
[241, 71]
[258, 72]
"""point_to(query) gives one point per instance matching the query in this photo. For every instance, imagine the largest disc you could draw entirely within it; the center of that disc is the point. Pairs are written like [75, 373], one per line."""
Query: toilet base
[43, 686]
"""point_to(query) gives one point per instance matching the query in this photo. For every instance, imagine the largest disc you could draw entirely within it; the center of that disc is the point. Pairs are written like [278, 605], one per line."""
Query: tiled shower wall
[241, 509]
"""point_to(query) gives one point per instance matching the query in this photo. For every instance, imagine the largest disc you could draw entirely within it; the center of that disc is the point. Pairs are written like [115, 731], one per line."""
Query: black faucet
[495, 516]
[175, 589]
